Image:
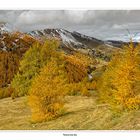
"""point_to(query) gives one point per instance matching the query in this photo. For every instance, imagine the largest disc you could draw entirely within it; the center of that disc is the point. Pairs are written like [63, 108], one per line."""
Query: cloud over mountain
[98, 23]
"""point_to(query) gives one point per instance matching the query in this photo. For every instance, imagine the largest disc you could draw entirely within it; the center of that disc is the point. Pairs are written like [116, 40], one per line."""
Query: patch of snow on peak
[67, 37]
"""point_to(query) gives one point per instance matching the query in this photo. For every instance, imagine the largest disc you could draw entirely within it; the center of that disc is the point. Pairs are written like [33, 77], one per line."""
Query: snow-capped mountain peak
[69, 39]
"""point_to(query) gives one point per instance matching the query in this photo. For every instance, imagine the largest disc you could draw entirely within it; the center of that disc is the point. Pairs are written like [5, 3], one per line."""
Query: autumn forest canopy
[46, 74]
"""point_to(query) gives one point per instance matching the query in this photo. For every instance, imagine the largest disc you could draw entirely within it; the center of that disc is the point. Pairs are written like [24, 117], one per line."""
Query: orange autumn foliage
[76, 66]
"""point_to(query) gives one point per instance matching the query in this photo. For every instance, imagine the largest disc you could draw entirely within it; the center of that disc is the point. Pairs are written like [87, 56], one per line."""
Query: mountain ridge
[70, 41]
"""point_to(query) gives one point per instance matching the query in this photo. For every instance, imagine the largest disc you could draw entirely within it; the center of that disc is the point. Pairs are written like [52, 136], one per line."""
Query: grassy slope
[82, 113]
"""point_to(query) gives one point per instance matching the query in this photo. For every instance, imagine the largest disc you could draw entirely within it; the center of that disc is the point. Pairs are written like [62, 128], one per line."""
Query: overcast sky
[103, 24]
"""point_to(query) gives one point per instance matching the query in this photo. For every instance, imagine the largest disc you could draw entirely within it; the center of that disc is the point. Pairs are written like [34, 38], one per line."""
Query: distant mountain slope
[69, 39]
[74, 41]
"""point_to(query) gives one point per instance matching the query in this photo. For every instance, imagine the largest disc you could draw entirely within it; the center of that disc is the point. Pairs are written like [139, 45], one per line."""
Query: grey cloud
[101, 24]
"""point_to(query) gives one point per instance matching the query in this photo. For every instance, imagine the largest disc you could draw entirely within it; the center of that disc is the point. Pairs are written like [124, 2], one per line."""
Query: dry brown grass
[82, 114]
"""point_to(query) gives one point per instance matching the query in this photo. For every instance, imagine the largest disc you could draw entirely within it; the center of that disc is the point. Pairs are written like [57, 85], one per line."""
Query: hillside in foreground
[83, 113]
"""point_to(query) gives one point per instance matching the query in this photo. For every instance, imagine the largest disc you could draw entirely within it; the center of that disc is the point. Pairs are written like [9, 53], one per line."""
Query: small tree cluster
[34, 59]
[76, 66]
[77, 69]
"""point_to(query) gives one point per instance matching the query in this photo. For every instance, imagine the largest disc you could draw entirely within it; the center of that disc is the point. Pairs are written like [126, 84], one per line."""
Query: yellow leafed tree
[120, 84]
[47, 92]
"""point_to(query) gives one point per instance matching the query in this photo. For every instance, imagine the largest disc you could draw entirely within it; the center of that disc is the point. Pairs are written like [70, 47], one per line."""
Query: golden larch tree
[47, 92]
[120, 84]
